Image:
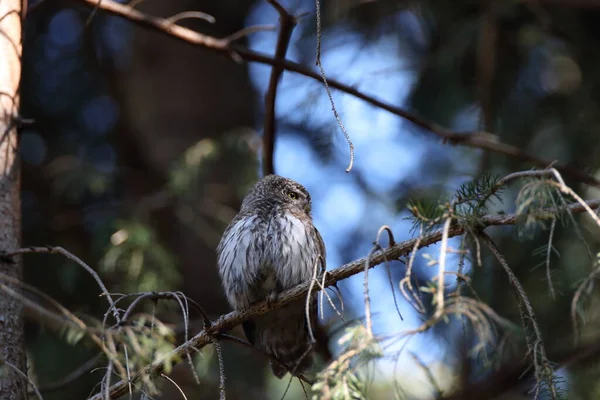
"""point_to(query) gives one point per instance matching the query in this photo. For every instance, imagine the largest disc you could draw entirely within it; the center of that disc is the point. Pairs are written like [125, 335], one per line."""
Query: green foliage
[534, 199]
[138, 261]
[72, 334]
[427, 214]
[467, 204]
[150, 340]
[199, 161]
[539, 200]
[74, 178]
[341, 381]
[186, 172]
[472, 196]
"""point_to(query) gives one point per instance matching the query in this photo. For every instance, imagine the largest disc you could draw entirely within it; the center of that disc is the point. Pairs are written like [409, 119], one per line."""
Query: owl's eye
[293, 195]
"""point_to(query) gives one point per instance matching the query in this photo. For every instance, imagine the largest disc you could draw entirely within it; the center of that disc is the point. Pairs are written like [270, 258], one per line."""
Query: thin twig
[567, 190]
[175, 384]
[219, 351]
[228, 321]
[391, 241]
[314, 280]
[429, 375]
[24, 376]
[242, 33]
[439, 294]
[287, 22]
[326, 84]
[323, 293]
[576, 298]
[541, 363]
[368, 323]
[191, 14]
[476, 139]
[548, 254]
[72, 257]
[128, 370]
[73, 376]
[412, 296]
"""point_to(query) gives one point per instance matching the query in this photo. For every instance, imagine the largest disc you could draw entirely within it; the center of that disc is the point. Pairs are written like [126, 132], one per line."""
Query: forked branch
[229, 321]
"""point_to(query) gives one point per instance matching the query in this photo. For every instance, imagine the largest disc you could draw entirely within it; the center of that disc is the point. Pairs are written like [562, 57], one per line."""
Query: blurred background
[143, 147]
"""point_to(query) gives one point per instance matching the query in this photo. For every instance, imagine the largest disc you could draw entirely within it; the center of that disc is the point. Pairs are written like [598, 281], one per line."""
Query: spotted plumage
[271, 246]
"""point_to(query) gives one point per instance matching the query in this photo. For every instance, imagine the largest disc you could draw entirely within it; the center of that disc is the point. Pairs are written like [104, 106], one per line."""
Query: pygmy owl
[270, 246]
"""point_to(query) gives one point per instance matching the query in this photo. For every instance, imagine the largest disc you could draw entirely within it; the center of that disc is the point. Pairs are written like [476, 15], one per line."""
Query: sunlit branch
[229, 321]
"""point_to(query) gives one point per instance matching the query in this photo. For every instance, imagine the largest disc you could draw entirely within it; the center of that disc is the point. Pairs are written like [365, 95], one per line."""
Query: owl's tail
[283, 335]
[296, 360]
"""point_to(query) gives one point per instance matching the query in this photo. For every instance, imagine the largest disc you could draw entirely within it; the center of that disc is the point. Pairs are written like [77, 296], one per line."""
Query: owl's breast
[290, 249]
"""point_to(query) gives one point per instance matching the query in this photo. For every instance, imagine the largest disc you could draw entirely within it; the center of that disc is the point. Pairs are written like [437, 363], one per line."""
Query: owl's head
[279, 191]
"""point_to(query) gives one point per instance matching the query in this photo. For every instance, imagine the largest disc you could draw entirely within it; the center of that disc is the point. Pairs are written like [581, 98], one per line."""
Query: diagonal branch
[477, 139]
[228, 321]
[287, 22]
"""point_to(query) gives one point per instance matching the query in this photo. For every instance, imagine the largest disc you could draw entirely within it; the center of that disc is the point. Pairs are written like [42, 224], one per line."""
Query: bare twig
[412, 296]
[248, 31]
[219, 351]
[287, 22]
[541, 363]
[23, 376]
[477, 139]
[128, 370]
[323, 293]
[368, 322]
[107, 346]
[228, 321]
[309, 299]
[73, 376]
[72, 257]
[436, 388]
[175, 384]
[391, 241]
[577, 297]
[548, 254]
[326, 84]
[567, 190]
[191, 14]
[439, 294]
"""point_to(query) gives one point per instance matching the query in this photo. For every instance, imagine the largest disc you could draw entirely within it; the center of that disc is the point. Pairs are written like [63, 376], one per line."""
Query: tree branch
[287, 22]
[477, 139]
[228, 321]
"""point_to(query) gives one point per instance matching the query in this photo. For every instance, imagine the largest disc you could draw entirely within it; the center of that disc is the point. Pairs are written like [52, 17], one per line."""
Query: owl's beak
[307, 208]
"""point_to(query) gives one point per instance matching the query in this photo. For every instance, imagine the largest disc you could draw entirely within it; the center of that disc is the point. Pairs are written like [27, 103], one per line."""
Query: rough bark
[12, 345]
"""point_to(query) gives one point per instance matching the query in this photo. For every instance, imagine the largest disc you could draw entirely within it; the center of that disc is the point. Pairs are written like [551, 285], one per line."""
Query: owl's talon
[272, 298]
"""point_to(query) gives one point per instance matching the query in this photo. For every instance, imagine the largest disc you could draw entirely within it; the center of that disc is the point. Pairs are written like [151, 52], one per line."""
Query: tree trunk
[12, 345]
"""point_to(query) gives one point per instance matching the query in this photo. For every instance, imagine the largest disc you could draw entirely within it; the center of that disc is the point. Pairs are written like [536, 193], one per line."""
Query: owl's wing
[322, 250]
